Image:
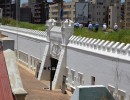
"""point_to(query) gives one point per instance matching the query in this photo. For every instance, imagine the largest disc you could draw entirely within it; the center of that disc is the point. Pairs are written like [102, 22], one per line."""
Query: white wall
[101, 67]
[27, 44]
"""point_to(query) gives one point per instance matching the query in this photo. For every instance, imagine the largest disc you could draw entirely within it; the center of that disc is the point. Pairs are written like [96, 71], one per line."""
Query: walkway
[36, 89]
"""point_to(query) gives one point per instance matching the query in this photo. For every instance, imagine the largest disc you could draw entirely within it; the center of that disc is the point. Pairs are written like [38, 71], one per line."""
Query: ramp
[5, 88]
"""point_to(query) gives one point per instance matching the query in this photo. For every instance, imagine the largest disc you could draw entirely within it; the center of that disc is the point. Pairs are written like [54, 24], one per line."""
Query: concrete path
[36, 89]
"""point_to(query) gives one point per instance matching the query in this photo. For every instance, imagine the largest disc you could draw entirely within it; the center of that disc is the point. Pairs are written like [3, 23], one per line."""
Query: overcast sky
[22, 1]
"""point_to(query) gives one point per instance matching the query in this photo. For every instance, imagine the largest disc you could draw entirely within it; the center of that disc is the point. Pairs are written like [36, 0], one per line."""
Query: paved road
[36, 89]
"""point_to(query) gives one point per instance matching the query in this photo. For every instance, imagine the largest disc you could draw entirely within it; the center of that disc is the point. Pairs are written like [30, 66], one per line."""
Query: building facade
[69, 10]
[1, 12]
[127, 14]
[9, 8]
[25, 14]
[98, 10]
[39, 10]
[114, 14]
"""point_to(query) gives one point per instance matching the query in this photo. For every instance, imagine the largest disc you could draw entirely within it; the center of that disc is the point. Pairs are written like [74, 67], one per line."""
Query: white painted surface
[87, 60]
[28, 43]
[101, 65]
[14, 75]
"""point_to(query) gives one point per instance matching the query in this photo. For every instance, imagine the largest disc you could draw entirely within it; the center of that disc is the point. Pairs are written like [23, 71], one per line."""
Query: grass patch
[11, 22]
[119, 36]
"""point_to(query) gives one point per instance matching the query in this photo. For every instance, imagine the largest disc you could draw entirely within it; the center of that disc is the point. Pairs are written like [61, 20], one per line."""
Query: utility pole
[16, 1]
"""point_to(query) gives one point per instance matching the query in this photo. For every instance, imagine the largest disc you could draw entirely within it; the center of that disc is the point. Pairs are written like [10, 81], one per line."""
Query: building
[39, 10]
[26, 15]
[69, 10]
[1, 12]
[127, 14]
[122, 21]
[9, 8]
[114, 14]
[97, 12]
[39, 13]
[31, 4]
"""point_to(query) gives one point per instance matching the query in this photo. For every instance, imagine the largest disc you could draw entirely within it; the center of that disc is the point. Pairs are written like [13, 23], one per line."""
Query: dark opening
[92, 80]
[54, 63]
[37, 70]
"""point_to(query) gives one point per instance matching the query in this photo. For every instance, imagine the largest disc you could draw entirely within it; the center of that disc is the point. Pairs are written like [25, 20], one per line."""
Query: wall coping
[102, 47]
[41, 35]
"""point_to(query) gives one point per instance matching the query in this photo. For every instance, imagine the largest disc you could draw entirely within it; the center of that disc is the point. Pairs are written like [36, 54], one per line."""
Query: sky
[22, 1]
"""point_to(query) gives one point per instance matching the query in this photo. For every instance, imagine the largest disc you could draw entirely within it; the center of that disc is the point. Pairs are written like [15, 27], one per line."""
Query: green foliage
[118, 36]
[11, 22]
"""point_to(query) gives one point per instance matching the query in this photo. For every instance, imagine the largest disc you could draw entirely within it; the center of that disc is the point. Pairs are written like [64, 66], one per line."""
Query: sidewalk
[36, 89]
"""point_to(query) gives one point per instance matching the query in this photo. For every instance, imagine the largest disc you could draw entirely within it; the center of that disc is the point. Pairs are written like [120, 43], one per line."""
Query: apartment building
[1, 12]
[25, 14]
[39, 10]
[69, 10]
[114, 14]
[31, 4]
[9, 8]
[127, 14]
[39, 13]
[97, 11]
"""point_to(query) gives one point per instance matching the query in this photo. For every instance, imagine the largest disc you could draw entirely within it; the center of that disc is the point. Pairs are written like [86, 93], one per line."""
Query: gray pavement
[36, 89]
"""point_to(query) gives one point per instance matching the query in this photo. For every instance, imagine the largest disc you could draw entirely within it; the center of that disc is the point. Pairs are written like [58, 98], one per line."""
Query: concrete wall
[86, 57]
[102, 65]
[31, 44]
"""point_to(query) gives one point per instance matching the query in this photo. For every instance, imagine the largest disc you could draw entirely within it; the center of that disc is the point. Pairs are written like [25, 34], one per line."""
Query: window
[72, 75]
[80, 78]
[92, 80]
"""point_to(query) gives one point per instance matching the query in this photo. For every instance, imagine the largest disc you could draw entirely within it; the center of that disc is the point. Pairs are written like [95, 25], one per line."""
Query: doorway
[37, 70]
[54, 63]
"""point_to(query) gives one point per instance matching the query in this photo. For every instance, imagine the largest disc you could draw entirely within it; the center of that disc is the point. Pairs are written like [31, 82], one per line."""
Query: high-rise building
[31, 4]
[97, 11]
[9, 8]
[1, 12]
[127, 14]
[39, 10]
[25, 14]
[114, 13]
